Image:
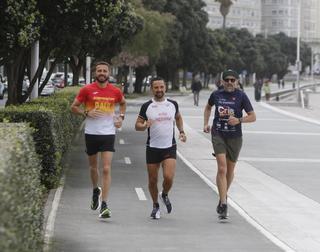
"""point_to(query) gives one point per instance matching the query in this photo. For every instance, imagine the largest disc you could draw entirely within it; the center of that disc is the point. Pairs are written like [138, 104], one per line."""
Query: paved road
[192, 226]
[274, 198]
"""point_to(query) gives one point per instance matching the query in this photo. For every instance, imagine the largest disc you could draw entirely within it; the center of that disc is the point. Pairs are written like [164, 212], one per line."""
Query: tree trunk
[184, 78]
[76, 63]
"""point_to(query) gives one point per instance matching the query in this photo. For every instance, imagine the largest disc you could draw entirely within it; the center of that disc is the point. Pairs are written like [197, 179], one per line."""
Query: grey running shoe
[165, 199]
[95, 202]
[104, 211]
[155, 214]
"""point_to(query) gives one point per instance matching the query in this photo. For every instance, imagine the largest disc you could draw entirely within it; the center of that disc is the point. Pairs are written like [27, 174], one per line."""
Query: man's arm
[122, 107]
[206, 116]
[179, 124]
[76, 109]
[142, 124]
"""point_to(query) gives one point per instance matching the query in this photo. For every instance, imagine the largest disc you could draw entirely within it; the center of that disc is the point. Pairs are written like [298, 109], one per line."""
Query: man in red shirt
[99, 99]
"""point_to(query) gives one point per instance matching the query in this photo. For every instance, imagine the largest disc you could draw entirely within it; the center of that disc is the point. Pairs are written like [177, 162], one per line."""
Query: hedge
[55, 127]
[21, 193]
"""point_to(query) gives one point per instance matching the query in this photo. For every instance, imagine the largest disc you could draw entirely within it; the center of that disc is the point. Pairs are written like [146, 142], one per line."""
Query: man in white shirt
[159, 115]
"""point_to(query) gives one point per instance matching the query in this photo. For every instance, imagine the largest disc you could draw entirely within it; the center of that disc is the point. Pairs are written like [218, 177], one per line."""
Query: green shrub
[55, 127]
[21, 193]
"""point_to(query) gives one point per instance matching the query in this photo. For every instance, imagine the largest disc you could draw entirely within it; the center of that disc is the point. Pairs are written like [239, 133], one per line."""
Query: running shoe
[104, 211]
[222, 210]
[165, 200]
[95, 202]
[155, 214]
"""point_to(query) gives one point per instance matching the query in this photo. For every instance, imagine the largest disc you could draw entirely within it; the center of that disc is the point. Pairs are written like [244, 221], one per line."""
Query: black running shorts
[99, 143]
[156, 155]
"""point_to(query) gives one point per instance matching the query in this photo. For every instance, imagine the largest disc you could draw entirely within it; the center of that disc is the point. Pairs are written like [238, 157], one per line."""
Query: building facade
[243, 14]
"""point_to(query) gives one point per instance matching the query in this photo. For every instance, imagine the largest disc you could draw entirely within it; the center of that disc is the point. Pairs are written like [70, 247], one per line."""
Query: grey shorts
[229, 146]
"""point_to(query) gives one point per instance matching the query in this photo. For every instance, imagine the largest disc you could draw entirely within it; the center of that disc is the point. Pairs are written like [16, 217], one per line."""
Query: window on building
[274, 12]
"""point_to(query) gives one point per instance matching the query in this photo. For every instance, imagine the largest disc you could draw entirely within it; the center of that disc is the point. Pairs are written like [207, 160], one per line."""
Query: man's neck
[159, 99]
[102, 84]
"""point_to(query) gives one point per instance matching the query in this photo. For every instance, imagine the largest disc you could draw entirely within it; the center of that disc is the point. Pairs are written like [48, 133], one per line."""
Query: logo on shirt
[225, 111]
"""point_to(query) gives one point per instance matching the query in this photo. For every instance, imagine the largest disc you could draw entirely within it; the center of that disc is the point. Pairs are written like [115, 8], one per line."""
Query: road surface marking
[290, 114]
[49, 229]
[294, 160]
[121, 141]
[234, 205]
[127, 160]
[262, 119]
[140, 193]
[266, 132]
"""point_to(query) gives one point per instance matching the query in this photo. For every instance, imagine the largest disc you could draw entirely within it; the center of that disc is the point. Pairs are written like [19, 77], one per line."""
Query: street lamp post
[298, 62]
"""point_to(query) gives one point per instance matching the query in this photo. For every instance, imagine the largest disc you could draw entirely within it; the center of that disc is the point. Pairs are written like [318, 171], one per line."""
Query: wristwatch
[86, 113]
[240, 119]
[122, 116]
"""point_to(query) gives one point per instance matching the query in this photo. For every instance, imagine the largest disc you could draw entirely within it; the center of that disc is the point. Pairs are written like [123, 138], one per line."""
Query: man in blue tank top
[226, 131]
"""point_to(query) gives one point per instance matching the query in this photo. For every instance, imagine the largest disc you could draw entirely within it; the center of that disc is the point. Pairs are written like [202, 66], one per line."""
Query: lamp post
[298, 62]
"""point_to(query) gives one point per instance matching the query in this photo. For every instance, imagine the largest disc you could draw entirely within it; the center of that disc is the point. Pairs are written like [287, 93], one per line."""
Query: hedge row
[54, 126]
[21, 193]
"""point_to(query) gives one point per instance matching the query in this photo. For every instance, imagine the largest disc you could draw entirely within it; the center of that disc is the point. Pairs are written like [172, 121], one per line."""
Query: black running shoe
[95, 198]
[104, 210]
[155, 214]
[165, 199]
[222, 210]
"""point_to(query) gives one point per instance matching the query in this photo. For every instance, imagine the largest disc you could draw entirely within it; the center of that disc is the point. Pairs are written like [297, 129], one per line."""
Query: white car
[48, 89]
[3, 87]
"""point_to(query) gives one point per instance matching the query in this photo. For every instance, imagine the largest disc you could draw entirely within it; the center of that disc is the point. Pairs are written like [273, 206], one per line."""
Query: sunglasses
[230, 80]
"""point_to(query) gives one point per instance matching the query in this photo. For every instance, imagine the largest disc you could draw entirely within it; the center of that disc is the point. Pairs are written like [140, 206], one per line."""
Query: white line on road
[248, 218]
[140, 193]
[49, 230]
[266, 132]
[121, 141]
[262, 119]
[295, 160]
[289, 114]
[127, 160]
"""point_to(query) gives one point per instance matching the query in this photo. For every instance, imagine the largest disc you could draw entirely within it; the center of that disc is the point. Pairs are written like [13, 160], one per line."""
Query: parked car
[3, 87]
[2, 90]
[49, 89]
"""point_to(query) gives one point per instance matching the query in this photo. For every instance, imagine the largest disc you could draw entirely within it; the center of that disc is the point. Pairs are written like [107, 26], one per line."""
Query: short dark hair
[156, 78]
[100, 63]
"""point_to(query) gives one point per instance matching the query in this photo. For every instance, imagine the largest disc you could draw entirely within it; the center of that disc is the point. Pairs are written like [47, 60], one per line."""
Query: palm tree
[224, 9]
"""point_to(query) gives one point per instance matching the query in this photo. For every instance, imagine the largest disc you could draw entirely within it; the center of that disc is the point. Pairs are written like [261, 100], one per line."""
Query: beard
[102, 78]
[159, 95]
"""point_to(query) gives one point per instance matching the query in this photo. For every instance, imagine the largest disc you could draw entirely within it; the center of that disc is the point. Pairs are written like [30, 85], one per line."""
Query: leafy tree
[224, 10]
[20, 23]
[191, 22]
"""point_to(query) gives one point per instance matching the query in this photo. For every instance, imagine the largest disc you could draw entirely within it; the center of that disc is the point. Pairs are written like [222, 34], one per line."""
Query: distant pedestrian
[100, 99]
[257, 90]
[196, 87]
[282, 83]
[267, 89]
[159, 116]
[226, 131]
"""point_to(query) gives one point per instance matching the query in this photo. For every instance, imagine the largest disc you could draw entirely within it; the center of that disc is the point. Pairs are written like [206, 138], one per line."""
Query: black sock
[96, 190]
[156, 205]
[164, 194]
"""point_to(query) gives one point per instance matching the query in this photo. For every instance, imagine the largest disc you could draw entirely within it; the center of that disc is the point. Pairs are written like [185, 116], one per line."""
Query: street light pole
[298, 63]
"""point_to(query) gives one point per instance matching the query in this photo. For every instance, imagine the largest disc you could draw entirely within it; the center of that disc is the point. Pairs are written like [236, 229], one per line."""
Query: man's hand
[95, 113]
[182, 137]
[233, 121]
[206, 128]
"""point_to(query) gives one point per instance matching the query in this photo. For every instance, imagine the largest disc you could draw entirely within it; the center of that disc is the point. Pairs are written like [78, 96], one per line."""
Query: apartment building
[243, 14]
